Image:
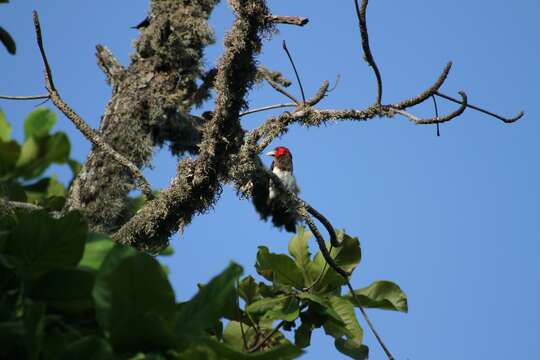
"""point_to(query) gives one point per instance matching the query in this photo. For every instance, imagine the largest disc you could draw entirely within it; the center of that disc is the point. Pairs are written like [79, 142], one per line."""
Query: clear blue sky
[453, 219]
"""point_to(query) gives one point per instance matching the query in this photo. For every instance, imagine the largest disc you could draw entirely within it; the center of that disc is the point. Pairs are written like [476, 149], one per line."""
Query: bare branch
[270, 107]
[361, 15]
[502, 118]
[110, 65]
[279, 89]
[79, 122]
[427, 93]
[289, 20]
[32, 97]
[284, 44]
[321, 93]
[437, 119]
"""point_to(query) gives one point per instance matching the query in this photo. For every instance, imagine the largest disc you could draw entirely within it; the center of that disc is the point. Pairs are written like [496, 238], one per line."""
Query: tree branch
[289, 20]
[361, 15]
[80, 123]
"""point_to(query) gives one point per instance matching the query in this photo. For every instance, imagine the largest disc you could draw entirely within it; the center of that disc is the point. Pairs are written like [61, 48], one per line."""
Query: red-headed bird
[266, 197]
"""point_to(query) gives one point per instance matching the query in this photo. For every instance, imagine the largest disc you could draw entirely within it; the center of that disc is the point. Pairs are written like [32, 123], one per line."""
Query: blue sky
[452, 219]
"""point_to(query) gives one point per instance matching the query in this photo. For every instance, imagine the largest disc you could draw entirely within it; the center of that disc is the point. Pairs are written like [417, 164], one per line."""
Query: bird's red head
[280, 151]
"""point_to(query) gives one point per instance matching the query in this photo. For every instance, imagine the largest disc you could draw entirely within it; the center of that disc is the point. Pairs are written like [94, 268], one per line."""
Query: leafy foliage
[20, 163]
[66, 293]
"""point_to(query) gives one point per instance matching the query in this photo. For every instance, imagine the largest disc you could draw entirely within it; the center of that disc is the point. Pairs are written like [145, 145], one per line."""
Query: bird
[267, 199]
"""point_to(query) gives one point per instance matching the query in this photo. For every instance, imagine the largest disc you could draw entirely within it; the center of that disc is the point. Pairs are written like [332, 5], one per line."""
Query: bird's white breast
[287, 178]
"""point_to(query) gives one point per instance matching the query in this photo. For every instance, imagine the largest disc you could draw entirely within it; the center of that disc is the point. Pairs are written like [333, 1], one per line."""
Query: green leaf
[29, 152]
[283, 307]
[88, 348]
[298, 248]
[352, 349]
[278, 268]
[381, 295]
[302, 335]
[225, 352]
[97, 247]
[39, 123]
[349, 327]
[8, 41]
[248, 289]
[213, 300]
[13, 191]
[69, 291]
[324, 304]
[347, 256]
[134, 301]
[232, 335]
[57, 148]
[43, 243]
[34, 324]
[9, 154]
[5, 128]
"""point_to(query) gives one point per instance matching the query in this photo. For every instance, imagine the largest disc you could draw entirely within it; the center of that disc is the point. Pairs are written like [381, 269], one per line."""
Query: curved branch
[319, 95]
[289, 20]
[502, 118]
[437, 119]
[427, 93]
[361, 15]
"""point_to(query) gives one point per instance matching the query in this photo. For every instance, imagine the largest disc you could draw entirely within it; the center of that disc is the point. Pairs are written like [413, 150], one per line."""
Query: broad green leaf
[5, 128]
[302, 335]
[347, 256]
[74, 166]
[68, 291]
[278, 268]
[8, 41]
[97, 247]
[232, 335]
[9, 155]
[29, 152]
[88, 348]
[134, 302]
[34, 324]
[57, 148]
[381, 295]
[298, 248]
[280, 352]
[213, 301]
[350, 327]
[325, 305]
[39, 123]
[283, 307]
[248, 289]
[43, 243]
[13, 191]
[352, 349]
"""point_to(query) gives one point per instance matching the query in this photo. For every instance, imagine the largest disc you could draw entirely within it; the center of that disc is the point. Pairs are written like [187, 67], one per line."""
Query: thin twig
[361, 15]
[368, 321]
[289, 20]
[295, 71]
[264, 108]
[280, 89]
[80, 123]
[502, 118]
[436, 113]
[34, 97]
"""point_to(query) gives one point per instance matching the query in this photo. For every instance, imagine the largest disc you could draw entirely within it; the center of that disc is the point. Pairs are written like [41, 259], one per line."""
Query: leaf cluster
[22, 165]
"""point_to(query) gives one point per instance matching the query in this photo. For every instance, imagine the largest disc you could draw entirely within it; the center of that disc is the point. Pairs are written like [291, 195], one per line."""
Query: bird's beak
[271, 153]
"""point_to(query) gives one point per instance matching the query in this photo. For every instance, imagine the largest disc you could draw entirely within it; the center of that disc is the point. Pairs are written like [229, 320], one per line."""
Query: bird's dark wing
[143, 23]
